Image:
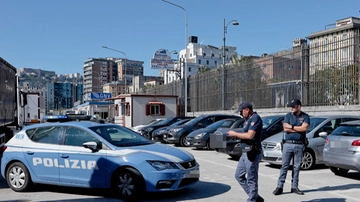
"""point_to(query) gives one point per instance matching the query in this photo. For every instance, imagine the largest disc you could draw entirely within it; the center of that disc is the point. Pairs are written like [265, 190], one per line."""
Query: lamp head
[235, 23]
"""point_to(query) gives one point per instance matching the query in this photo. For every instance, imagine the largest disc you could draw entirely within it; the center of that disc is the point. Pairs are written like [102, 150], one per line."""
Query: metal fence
[273, 80]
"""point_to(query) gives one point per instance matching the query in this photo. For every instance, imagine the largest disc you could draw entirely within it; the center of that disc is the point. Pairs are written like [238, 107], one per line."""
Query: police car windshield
[120, 136]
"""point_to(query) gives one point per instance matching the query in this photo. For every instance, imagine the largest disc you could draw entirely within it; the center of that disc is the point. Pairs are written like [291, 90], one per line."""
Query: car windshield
[156, 122]
[314, 122]
[347, 130]
[216, 124]
[267, 121]
[120, 136]
[227, 123]
[166, 121]
[180, 122]
[195, 120]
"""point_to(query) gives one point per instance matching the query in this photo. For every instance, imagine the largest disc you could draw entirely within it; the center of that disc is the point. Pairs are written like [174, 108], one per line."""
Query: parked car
[271, 125]
[342, 148]
[148, 130]
[313, 153]
[177, 135]
[158, 134]
[201, 138]
[151, 123]
[94, 155]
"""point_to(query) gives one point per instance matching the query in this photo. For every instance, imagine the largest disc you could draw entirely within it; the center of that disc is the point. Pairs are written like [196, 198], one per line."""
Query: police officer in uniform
[249, 161]
[295, 125]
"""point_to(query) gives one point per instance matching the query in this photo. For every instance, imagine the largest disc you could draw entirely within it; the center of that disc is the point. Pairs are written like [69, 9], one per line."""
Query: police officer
[295, 125]
[249, 161]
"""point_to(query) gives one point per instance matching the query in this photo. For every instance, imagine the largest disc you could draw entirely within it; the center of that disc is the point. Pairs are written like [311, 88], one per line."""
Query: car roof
[353, 123]
[85, 124]
[274, 116]
[335, 116]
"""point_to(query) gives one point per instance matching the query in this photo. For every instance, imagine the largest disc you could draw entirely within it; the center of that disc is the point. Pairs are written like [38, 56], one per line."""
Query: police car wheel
[18, 177]
[129, 184]
[308, 160]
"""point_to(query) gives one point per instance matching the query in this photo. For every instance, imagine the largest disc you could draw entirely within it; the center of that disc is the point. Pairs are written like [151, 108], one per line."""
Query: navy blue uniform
[293, 148]
[249, 161]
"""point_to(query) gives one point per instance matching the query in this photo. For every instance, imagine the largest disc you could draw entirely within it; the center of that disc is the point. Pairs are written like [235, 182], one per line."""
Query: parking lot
[216, 183]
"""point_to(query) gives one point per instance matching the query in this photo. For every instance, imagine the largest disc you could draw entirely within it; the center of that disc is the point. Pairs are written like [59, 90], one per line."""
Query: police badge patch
[252, 123]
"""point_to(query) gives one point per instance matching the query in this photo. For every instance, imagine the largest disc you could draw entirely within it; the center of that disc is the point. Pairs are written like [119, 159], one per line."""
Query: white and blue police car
[95, 155]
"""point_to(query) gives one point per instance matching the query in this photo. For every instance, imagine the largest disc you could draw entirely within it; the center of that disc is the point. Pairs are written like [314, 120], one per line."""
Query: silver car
[342, 148]
[313, 153]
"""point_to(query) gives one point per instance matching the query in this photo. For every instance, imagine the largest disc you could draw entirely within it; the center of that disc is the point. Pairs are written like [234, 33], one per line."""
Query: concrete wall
[312, 111]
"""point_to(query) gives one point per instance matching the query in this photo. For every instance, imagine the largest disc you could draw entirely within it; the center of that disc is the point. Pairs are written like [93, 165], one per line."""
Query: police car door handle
[64, 156]
[30, 152]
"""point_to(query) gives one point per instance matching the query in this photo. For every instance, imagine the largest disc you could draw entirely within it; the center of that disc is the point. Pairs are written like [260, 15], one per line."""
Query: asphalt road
[217, 183]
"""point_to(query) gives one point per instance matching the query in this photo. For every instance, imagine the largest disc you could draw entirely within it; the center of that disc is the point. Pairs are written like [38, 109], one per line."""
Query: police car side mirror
[91, 145]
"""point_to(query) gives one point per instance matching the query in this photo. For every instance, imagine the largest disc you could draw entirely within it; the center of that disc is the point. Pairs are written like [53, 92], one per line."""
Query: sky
[60, 35]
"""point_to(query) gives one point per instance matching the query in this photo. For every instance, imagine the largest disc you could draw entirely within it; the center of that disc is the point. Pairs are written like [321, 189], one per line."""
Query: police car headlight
[199, 136]
[162, 165]
[277, 146]
[149, 129]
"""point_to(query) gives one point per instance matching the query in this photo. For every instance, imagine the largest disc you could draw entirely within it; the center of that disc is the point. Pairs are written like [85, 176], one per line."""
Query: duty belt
[295, 142]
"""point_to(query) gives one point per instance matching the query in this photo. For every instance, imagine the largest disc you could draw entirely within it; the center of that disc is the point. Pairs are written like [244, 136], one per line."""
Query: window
[207, 62]
[77, 137]
[344, 39]
[334, 54]
[344, 53]
[215, 62]
[199, 61]
[48, 135]
[316, 60]
[204, 54]
[325, 57]
[189, 69]
[155, 109]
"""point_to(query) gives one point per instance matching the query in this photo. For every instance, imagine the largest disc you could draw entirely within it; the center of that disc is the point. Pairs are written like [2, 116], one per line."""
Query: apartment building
[97, 72]
[334, 63]
[199, 57]
[129, 69]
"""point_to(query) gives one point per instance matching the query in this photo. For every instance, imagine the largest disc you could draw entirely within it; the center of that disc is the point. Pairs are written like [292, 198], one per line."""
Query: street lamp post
[234, 22]
[186, 52]
[124, 63]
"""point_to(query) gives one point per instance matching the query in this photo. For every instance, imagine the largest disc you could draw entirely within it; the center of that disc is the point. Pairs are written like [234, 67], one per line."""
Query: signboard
[100, 96]
[162, 60]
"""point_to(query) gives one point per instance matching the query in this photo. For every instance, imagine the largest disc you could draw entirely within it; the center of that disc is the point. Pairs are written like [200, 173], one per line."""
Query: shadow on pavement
[327, 200]
[334, 188]
[199, 190]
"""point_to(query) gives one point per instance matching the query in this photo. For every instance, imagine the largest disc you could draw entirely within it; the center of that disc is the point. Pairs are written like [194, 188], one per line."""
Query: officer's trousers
[249, 164]
[291, 151]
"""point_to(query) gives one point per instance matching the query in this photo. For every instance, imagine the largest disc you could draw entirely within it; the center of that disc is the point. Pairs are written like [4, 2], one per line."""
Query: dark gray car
[201, 138]
[177, 135]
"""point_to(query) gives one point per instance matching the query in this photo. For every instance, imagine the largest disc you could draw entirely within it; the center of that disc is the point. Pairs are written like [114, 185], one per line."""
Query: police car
[95, 155]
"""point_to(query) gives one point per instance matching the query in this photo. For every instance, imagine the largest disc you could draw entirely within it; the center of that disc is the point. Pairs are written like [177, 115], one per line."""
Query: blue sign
[100, 96]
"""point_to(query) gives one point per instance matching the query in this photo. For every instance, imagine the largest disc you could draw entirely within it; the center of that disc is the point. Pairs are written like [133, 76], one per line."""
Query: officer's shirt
[254, 122]
[293, 120]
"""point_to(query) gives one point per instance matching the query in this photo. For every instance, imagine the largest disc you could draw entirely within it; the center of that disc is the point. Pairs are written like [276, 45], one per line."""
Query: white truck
[17, 109]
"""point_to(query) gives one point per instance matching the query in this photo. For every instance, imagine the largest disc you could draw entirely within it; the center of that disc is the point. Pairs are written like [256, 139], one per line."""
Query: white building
[199, 56]
[135, 109]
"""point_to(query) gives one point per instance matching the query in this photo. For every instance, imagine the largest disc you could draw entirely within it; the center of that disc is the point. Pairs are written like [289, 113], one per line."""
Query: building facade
[97, 72]
[200, 57]
[63, 95]
[334, 63]
[129, 69]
